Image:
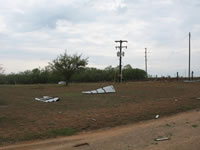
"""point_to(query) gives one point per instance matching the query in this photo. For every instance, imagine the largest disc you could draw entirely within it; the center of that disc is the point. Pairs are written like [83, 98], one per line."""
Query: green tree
[1, 69]
[128, 66]
[110, 73]
[133, 74]
[66, 65]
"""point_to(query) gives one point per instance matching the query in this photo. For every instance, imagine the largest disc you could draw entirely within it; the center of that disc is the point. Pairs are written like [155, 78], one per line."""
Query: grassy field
[22, 118]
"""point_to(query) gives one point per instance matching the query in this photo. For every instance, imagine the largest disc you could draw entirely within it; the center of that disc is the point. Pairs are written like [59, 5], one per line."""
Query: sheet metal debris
[93, 119]
[106, 89]
[162, 139]
[62, 83]
[82, 144]
[47, 99]
[157, 116]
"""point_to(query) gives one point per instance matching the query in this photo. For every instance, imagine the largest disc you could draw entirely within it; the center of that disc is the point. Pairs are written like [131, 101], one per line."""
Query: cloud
[12, 65]
[38, 30]
[111, 5]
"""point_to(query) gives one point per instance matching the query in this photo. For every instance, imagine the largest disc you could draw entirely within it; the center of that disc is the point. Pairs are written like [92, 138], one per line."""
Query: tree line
[71, 69]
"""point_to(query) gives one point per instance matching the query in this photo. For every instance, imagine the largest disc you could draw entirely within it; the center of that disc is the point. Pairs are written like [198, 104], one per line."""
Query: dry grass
[23, 118]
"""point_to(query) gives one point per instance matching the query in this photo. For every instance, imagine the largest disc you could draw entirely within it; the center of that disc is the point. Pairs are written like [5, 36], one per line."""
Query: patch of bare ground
[182, 131]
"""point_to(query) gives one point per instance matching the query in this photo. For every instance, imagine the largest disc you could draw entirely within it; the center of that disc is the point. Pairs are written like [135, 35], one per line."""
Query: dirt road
[183, 131]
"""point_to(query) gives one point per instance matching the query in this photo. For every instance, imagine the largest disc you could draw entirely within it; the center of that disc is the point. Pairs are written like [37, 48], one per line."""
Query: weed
[154, 143]
[3, 103]
[5, 140]
[195, 126]
[3, 119]
[50, 134]
[168, 125]
[31, 136]
[169, 134]
[61, 132]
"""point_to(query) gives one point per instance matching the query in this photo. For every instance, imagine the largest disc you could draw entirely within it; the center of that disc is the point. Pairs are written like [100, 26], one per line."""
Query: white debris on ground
[157, 116]
[106, 89]
[62, 83]
[47, 99]
[191, 81]
[162, 139]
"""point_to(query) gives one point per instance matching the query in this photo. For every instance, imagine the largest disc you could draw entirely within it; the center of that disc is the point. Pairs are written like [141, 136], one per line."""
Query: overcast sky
[34, 32]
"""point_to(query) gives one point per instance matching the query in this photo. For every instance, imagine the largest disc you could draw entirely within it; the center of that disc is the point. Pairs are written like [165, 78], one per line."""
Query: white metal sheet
[106, 89]
[109, 89]
[100, 91]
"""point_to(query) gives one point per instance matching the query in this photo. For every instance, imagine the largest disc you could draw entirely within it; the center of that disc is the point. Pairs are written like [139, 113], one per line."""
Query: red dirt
[182, 130]
[23, 119]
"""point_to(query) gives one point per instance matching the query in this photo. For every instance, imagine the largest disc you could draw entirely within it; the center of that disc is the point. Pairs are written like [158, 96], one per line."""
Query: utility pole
[120, 54]
[192, 75]
[189, 55]
[146, 61]
[177, 76]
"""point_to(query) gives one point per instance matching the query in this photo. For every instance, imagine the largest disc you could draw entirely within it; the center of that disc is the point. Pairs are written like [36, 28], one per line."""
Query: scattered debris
[62, 83]
[82, 144]
[176, 100]
[191, 81]
[84, 128]
[47, 99]
[162, 139]
[106, 89]
[93, 119]
[157, 116]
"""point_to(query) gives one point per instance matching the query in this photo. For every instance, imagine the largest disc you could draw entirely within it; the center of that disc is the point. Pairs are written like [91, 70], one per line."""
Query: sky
[34, 32]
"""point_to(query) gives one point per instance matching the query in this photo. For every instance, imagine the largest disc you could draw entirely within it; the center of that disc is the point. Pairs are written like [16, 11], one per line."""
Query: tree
[66, 65]
[133, 74]
[1, 69]
[128, 66]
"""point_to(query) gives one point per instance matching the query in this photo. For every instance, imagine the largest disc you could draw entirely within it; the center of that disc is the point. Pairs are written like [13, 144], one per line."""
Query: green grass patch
[168, 125]
[5, 140]
[195, 125]
[61, 132]
[169, 134]
[2, 102]
[50, 134]
[3, 119]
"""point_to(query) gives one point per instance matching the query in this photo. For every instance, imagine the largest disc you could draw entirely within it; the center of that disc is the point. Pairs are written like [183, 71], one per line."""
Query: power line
[120, 53]
[146, 61]
[189, 55]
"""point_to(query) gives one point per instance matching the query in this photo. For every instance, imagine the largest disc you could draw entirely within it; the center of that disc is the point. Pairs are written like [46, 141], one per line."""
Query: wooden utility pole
[189, 55]
[177, 76]
[192, 75]
[146, 61]
[120, 54]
